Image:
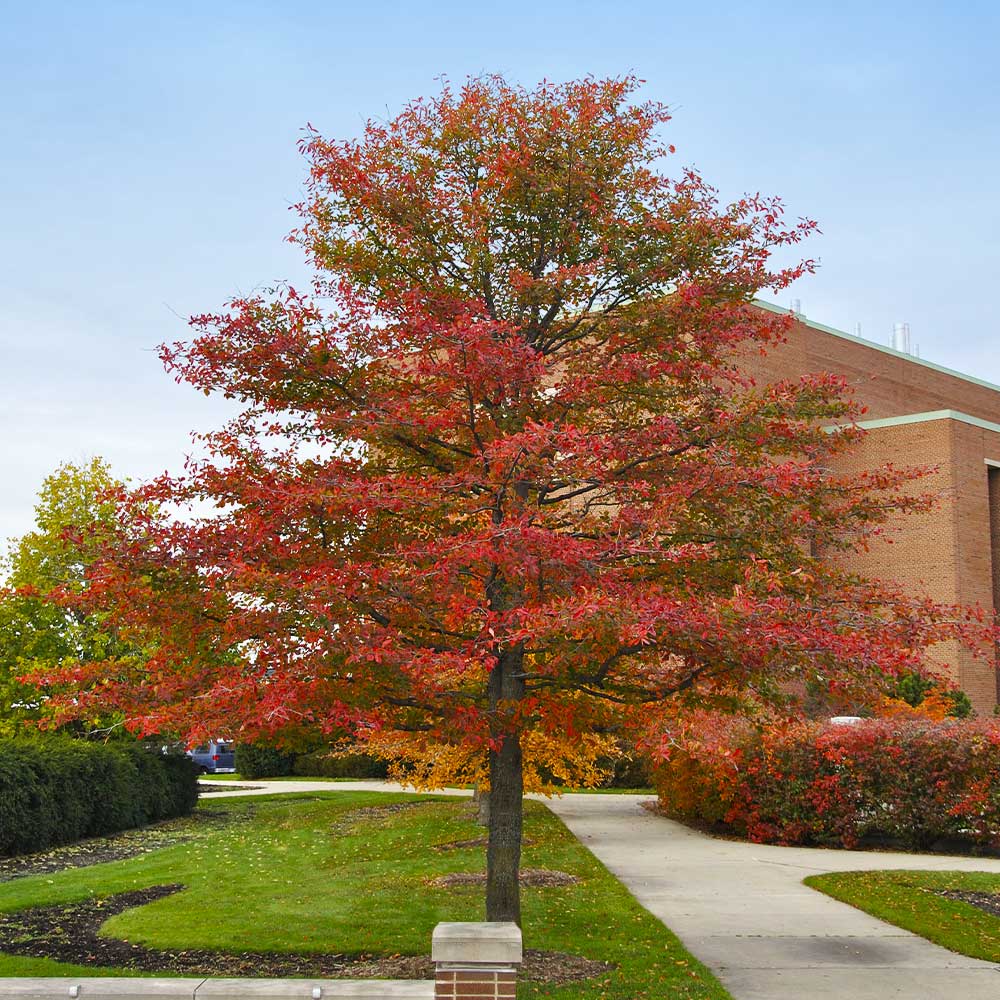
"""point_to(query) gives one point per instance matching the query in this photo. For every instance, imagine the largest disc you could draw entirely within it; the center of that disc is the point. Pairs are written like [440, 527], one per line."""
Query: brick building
[922, 414]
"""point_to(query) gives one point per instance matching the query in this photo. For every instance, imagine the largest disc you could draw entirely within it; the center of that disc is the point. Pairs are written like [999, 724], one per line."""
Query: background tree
[72, 514]
[916, 690]
[500, 482]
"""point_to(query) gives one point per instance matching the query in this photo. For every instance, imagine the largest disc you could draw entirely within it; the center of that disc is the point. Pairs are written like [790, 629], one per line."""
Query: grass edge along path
[912, 900]
[340, 870]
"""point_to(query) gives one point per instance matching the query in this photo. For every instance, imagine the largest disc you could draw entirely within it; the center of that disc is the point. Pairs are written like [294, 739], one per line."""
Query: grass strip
[913, 900]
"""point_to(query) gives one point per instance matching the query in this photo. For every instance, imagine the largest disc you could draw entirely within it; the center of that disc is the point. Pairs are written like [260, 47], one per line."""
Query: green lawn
[911, 900]
[300, 873]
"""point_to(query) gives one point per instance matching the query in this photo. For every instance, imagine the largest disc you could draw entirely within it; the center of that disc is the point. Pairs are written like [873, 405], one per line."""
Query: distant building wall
[920, 415]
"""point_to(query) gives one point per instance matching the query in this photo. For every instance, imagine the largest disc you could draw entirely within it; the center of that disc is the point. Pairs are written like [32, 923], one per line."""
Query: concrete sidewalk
[742, 909]
[266, 786]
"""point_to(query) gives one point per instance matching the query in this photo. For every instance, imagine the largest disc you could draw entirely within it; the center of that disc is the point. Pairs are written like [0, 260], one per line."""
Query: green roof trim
[919, 418]
[770, 307]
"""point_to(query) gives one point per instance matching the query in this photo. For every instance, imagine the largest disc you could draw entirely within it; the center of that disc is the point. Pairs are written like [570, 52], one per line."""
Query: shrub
[58, 791]
[181, 779]
[257, 760]
[914, 690]
[629, 770]
[908, 780]
[320, 764]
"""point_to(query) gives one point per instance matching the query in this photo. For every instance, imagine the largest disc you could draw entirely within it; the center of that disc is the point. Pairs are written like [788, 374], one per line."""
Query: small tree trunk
[481, 800]
[506, 806]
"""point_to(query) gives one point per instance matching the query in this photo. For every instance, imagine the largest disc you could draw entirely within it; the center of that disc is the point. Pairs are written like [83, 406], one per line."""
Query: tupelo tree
[500, 484]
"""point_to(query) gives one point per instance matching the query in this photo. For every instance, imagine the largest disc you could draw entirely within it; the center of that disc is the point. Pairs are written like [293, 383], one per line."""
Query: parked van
[214, 757]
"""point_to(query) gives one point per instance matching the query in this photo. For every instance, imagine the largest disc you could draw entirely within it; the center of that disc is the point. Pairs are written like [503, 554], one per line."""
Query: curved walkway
[743, 910]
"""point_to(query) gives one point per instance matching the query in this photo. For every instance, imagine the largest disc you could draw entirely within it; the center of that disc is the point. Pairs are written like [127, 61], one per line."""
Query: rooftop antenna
[797, 306]
[901, 337]
[857, 330]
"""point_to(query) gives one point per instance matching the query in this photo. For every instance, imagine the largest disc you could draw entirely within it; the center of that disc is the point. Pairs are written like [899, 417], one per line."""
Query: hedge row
[58, 791]
[911, 782]
[355, 765]
[255, 760]
[258, 760]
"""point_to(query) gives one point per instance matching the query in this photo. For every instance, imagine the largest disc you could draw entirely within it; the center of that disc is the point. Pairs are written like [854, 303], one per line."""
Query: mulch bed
[559, 967]
[532, 877]
[117, 847]
[987, 901]
[69, 933]
[380, 812]
[348, 821]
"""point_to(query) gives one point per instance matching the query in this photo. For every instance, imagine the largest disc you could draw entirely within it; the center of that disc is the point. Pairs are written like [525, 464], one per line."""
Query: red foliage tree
[501, 478]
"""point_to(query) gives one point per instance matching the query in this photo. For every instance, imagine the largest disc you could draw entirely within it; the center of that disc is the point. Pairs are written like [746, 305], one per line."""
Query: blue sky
[149, 161]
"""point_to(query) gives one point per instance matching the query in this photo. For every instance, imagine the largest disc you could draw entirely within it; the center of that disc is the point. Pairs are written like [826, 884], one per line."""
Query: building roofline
[770, 307]
[919, 418]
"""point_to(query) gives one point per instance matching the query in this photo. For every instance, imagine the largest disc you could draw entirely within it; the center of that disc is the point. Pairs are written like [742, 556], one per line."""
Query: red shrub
[914, 781]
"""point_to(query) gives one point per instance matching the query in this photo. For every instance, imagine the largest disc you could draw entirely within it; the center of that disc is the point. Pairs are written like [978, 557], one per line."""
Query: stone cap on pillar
[485, 943]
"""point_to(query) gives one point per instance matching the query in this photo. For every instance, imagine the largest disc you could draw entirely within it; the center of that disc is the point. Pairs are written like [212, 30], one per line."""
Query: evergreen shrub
[258, 760]
[57, 791]
[320, 764]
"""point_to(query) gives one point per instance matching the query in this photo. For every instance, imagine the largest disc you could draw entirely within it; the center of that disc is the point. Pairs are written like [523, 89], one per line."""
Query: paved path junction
[743, 910]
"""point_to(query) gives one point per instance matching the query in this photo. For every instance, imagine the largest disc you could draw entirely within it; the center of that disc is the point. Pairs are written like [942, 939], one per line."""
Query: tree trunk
[503, 856]
[481, 800]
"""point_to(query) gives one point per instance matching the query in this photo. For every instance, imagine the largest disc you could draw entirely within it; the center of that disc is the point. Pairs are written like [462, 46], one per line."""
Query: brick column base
[476, 961]
[482, 984]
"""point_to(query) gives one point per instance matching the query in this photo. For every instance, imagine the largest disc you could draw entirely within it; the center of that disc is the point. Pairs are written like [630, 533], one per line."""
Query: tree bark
[503, 855]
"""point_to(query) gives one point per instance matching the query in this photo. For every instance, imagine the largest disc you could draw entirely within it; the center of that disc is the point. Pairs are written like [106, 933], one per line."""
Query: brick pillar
[476, 961]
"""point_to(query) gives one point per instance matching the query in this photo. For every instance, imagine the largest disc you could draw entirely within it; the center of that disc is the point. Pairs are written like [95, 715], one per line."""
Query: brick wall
[945, 552]
[888, 384]
[951, 553]
[993, 475]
